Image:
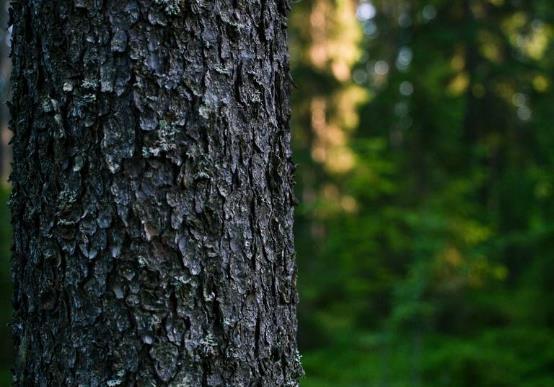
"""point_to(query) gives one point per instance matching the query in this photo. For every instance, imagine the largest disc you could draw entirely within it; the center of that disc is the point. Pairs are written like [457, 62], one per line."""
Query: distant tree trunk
[152, 203]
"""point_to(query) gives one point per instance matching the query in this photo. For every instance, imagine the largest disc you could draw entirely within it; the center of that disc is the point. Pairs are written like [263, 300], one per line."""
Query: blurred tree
[325, 46]
[152, 203]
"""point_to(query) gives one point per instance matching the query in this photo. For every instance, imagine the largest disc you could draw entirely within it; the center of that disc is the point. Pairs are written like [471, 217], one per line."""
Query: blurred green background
[424, 138]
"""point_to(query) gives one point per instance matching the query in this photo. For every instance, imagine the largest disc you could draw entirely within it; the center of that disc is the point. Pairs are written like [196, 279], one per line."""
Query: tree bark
[4, 86]
[152, 194]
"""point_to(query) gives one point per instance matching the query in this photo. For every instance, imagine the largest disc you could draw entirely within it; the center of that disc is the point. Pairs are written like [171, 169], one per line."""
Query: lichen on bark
[152, 194]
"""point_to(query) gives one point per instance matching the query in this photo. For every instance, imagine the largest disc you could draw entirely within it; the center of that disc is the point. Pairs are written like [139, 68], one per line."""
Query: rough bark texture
[152, 202]
[5, 154]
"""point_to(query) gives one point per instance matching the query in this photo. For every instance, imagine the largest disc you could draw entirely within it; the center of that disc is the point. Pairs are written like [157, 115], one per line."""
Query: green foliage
[441, 272]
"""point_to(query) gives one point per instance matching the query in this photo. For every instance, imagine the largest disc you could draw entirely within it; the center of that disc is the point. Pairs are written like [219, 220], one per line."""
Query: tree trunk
[4, 74]
[152, 202]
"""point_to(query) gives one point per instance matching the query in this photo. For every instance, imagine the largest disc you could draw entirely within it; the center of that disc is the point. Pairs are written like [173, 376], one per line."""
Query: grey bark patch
[152, 194]
[165, 360]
